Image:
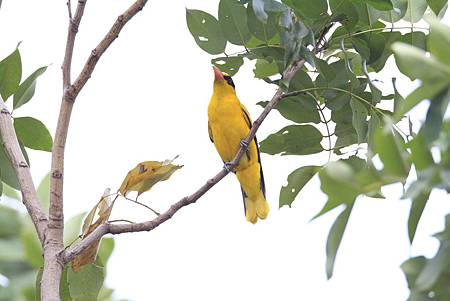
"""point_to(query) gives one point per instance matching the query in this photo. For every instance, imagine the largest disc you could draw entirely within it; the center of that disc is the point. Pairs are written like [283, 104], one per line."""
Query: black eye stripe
[229, 80]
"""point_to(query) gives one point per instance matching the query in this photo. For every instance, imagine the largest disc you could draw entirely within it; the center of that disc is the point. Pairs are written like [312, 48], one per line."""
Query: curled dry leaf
[146, 174]
[103, 210]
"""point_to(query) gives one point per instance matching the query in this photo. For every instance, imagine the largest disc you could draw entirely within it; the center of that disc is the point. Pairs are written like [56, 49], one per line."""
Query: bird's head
[222, 81]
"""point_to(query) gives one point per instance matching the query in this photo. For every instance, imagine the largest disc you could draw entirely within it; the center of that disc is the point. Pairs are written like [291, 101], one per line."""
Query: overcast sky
[147, 100]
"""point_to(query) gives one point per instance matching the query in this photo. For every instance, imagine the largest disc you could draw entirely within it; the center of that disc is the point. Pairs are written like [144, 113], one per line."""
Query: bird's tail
[252, 185]
[254, 209]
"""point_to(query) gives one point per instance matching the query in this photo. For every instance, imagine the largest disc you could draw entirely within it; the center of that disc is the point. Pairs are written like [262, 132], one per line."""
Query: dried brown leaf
[103, 209]
[146, 174]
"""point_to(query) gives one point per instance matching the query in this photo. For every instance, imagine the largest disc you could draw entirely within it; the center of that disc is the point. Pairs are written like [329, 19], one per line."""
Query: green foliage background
[343, 43]
[21, 258]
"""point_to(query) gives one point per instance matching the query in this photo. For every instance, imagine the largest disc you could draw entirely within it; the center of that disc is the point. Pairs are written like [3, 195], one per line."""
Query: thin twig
[326, 125]
[121, 220]
[96, 53]
[143, 205]
[69, 8]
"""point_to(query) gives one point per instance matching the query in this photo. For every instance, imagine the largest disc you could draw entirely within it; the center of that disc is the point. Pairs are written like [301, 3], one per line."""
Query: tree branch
[73, 30]
[113, 34]
[54, 236]
[69, 254]
[52, 272]
[22, 170]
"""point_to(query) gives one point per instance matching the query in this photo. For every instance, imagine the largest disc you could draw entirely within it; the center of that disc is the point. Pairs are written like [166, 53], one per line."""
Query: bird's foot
[244, 143]
[228, 166]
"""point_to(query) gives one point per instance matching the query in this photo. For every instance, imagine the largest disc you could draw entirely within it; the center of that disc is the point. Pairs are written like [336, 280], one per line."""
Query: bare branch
[69, 254]
[54, 234]
[52, 272]
[22, 170]
[104, 44]
[73, 30]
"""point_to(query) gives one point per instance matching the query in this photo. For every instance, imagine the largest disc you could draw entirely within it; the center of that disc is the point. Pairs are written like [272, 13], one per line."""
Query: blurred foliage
[335, 105]
[21, 259]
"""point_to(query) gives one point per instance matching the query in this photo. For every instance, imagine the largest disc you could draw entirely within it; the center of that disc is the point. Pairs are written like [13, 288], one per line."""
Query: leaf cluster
[31, 132]
[333, 104]
[21, 258]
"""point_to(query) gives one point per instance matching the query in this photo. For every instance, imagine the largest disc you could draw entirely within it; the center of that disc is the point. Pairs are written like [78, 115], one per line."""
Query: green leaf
[206, 31]
[229, 65]
[33, 133]
[86, 284]
[293, 140]
[296, 181]
[435, 115]
[300, 109]
[347, 10]
[414, 63]
[359, 119]
[10, 74]
[32, 247]
[106, 249]
[429, 91]
[380, 4]
[9, 222]
[437, 5]
[10, 192]
[309, 9]
[263, 30]
[398, 98]
[72, 228]
[43, 192]
[439, 41]
[26, 89]
[434, 268]
[64, 291]
[392, 154]
[399, 11]
[372, 128]
[376, 43]
[12, 250]
[233, 21]
[420, 152]
[335, 237]
[264, 68]
[300, 81]
[269, 53]
[258, 10]
[417, 39]
[412, 268]
[415, 10]
[324, 69]
[417, 206]
[337, 181]
[8, 175]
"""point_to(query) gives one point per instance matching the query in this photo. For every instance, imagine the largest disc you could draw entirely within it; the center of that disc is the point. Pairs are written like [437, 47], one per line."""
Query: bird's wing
[248, 120]
[210, 133]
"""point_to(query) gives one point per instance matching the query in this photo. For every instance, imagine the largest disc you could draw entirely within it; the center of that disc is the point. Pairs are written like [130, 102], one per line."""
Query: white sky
[147, 100]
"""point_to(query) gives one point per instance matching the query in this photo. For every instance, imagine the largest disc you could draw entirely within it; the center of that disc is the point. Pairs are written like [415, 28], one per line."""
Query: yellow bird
[228, 125]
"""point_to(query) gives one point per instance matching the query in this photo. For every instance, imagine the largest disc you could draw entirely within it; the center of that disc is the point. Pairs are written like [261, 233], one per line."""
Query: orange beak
[217, 73]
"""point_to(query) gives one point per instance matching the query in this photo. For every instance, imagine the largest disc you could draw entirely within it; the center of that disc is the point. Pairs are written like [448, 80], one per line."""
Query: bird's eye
[229, 80]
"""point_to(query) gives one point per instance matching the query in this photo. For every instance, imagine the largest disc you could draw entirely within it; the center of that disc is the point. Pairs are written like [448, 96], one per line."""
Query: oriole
[228, 125]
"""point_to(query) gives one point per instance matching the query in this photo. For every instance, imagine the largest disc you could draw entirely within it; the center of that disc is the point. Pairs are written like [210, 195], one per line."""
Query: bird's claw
[244, 143]
[228, 166]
